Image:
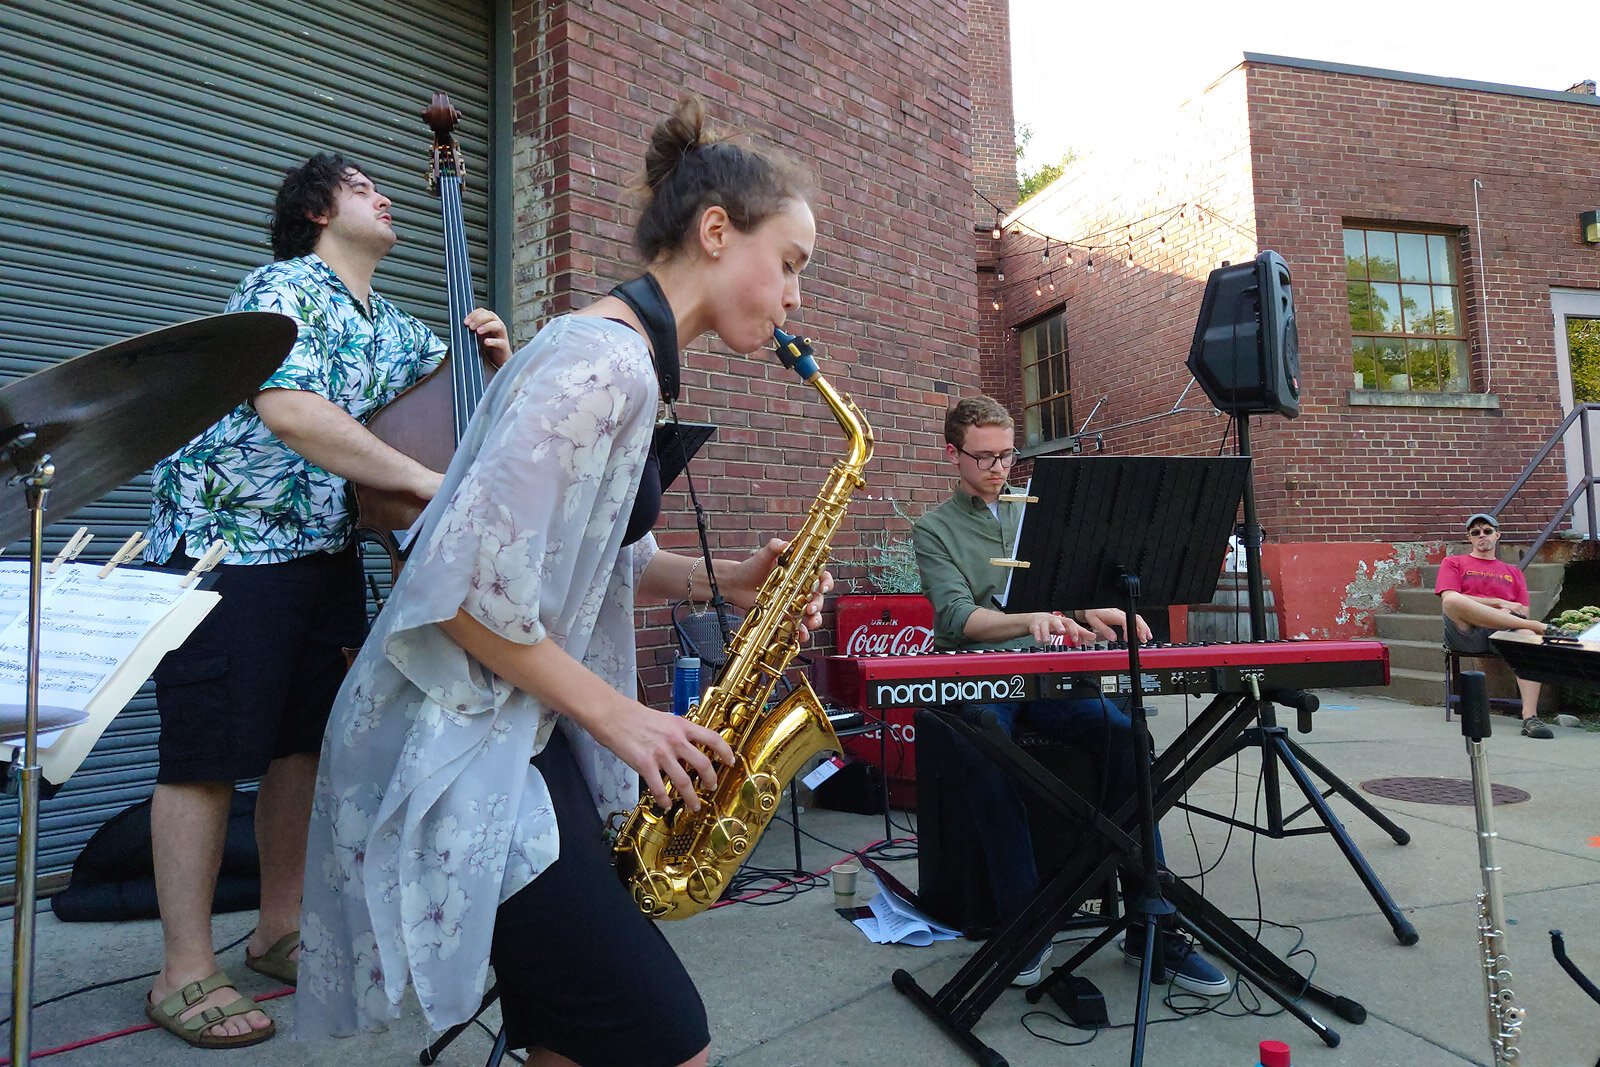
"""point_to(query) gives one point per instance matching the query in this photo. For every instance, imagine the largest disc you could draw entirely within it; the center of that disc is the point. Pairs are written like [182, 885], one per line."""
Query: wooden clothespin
[129, 549]
[214, 553]
[69, 551]
[1018, 498]
[1017, 564]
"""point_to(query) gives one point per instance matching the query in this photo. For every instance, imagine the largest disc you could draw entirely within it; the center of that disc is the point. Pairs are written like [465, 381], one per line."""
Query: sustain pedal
[1081, 999]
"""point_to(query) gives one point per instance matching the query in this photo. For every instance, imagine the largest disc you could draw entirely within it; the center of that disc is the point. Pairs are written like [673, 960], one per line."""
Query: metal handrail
[1585, 486]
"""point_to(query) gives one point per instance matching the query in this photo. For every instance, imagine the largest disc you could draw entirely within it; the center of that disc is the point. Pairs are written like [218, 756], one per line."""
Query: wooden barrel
[1227, 617]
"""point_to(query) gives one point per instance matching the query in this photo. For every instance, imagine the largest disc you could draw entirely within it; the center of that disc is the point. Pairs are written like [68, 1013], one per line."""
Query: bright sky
[1084, 74]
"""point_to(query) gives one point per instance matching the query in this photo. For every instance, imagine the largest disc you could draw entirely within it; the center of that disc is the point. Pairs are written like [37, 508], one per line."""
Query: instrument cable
[1186, 1005]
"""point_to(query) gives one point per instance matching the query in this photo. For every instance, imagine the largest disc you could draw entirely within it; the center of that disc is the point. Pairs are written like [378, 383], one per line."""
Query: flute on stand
[1505, 1015]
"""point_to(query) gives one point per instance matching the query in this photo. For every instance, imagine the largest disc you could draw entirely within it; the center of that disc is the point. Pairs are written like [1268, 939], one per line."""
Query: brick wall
[877, 98]
[1186, 202]
[1281, 157]
[994, 138]
[1331, 147]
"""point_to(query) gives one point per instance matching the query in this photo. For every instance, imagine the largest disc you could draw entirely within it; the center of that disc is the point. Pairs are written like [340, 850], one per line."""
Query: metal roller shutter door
[145, 143]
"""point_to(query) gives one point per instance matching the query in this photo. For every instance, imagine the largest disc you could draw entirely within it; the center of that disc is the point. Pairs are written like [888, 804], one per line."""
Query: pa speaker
[1246, 350]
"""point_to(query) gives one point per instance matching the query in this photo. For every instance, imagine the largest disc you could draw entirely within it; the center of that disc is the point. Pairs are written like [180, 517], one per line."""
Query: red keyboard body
[940, 678]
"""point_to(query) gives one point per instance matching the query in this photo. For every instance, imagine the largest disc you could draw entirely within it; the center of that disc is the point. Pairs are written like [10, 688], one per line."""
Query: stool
[1452, 686]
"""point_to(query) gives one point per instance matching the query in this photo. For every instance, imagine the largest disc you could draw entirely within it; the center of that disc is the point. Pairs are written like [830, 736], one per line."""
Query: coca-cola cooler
[887, 625]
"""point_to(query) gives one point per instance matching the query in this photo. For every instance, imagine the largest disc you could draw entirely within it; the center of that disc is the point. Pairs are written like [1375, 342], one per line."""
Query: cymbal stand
[36, 484]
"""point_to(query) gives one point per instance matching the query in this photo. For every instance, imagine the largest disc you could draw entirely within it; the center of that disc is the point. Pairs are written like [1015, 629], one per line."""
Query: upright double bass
[427, 421]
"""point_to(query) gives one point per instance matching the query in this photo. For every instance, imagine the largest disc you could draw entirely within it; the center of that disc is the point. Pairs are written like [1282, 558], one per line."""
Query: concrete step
[1539, 575]
[1415, 687]
[1417, 655]
[1408, 627]
[1426, 687]
[1418, 601]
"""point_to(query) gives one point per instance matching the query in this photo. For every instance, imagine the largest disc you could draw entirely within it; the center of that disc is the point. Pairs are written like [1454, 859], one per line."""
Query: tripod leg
[430, 1054]
[1329, 1036]
[1342, 787]
[1259, 964]
[1404, 932]
[498, 1052]
[1147, 973]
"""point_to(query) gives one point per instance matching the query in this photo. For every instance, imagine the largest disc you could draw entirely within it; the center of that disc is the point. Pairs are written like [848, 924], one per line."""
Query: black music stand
[1131, 531]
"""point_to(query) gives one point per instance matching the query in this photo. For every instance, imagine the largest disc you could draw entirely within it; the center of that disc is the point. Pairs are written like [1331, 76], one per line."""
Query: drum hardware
[75, 431]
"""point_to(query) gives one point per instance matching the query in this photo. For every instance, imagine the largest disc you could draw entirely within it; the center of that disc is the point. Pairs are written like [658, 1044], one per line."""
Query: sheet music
[14, 588]
[89, 625]
[1005, 594]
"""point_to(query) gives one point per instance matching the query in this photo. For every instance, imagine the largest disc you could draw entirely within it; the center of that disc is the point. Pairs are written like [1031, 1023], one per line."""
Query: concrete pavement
[794, 984]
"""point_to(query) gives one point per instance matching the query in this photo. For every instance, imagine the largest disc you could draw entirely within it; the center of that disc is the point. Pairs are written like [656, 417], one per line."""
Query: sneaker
[1186, 968]
[1533, 726]
[1030, 975]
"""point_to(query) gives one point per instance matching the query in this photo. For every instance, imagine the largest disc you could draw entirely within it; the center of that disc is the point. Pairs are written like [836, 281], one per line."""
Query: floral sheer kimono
[427, 813]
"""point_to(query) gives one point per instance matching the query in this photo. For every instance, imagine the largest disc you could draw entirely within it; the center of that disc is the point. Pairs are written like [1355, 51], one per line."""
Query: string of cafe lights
[1122, 245]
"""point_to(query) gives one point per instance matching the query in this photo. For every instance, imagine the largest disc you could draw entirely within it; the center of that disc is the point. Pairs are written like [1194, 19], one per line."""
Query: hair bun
[675, 137]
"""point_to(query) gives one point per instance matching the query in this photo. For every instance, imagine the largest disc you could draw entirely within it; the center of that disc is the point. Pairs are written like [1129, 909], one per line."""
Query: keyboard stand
[1276, 747]
[1109, 844]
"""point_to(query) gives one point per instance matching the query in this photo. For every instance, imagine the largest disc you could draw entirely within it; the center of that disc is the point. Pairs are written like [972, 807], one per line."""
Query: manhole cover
[1439, 790]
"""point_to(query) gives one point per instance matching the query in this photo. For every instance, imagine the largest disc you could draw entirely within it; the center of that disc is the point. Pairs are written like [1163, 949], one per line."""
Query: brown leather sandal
[278, 961]
[193, 1029]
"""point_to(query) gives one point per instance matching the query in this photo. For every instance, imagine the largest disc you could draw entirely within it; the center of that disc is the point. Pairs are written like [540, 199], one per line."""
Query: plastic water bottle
[685, 684]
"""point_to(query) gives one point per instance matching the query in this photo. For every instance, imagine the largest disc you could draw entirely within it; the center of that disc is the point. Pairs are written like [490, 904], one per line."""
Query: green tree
[1583, 347]
[1031, 180]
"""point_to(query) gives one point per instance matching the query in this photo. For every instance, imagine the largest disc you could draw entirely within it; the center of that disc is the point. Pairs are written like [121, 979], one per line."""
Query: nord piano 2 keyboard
[1009, 675]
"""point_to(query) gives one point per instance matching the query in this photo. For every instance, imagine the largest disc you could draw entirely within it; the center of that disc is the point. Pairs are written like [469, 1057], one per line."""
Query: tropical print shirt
[237, 481]
[427, 813]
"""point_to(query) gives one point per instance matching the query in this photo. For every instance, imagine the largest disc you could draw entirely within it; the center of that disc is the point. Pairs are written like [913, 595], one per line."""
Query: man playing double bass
[248, 694]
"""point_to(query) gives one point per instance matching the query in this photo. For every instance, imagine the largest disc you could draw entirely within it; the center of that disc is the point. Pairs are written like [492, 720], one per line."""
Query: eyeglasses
[987, 461]
[1480, 533]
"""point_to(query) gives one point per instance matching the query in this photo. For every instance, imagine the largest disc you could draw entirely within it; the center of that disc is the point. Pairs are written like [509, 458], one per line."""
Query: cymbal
[106, 415]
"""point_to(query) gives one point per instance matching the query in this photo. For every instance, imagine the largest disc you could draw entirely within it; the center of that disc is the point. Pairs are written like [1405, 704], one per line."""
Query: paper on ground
[894, 922]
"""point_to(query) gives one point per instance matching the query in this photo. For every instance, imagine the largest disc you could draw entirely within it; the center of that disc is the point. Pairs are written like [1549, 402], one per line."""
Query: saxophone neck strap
[645, 297]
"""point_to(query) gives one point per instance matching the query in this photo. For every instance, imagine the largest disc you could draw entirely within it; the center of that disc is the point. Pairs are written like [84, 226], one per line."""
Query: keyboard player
[954, 545]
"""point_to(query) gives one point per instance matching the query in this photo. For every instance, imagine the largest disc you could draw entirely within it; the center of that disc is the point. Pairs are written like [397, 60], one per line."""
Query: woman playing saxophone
[436, 848]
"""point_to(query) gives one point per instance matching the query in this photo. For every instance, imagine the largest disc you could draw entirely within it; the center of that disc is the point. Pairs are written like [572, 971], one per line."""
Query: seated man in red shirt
[1480, 595]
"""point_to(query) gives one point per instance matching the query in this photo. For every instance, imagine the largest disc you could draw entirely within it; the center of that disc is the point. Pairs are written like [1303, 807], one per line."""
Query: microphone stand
[1156, 910]
[36, 484]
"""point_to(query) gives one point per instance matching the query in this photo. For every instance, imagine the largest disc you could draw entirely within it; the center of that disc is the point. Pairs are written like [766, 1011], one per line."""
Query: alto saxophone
[1505, 1015]
[677, 862]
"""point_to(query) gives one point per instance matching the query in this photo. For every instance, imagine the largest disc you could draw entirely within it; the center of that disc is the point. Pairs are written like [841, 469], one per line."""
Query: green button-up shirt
[954, 543]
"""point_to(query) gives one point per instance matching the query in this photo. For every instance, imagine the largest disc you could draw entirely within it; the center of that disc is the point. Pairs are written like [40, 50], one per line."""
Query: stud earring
[714, 255]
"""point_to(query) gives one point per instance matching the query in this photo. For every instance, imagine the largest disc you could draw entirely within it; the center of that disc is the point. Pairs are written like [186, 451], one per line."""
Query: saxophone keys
[729, 837]
[652, 892]
[760, 793]
[704, 884]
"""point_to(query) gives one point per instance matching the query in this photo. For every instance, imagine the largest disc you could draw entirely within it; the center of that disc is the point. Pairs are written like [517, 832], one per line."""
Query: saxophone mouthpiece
[796, 354]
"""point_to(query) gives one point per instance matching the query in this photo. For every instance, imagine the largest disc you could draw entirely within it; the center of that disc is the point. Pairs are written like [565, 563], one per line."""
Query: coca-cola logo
[907, 641]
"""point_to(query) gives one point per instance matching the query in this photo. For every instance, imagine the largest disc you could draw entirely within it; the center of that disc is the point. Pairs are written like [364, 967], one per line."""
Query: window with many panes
[1046, 392]
[1407, 328]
